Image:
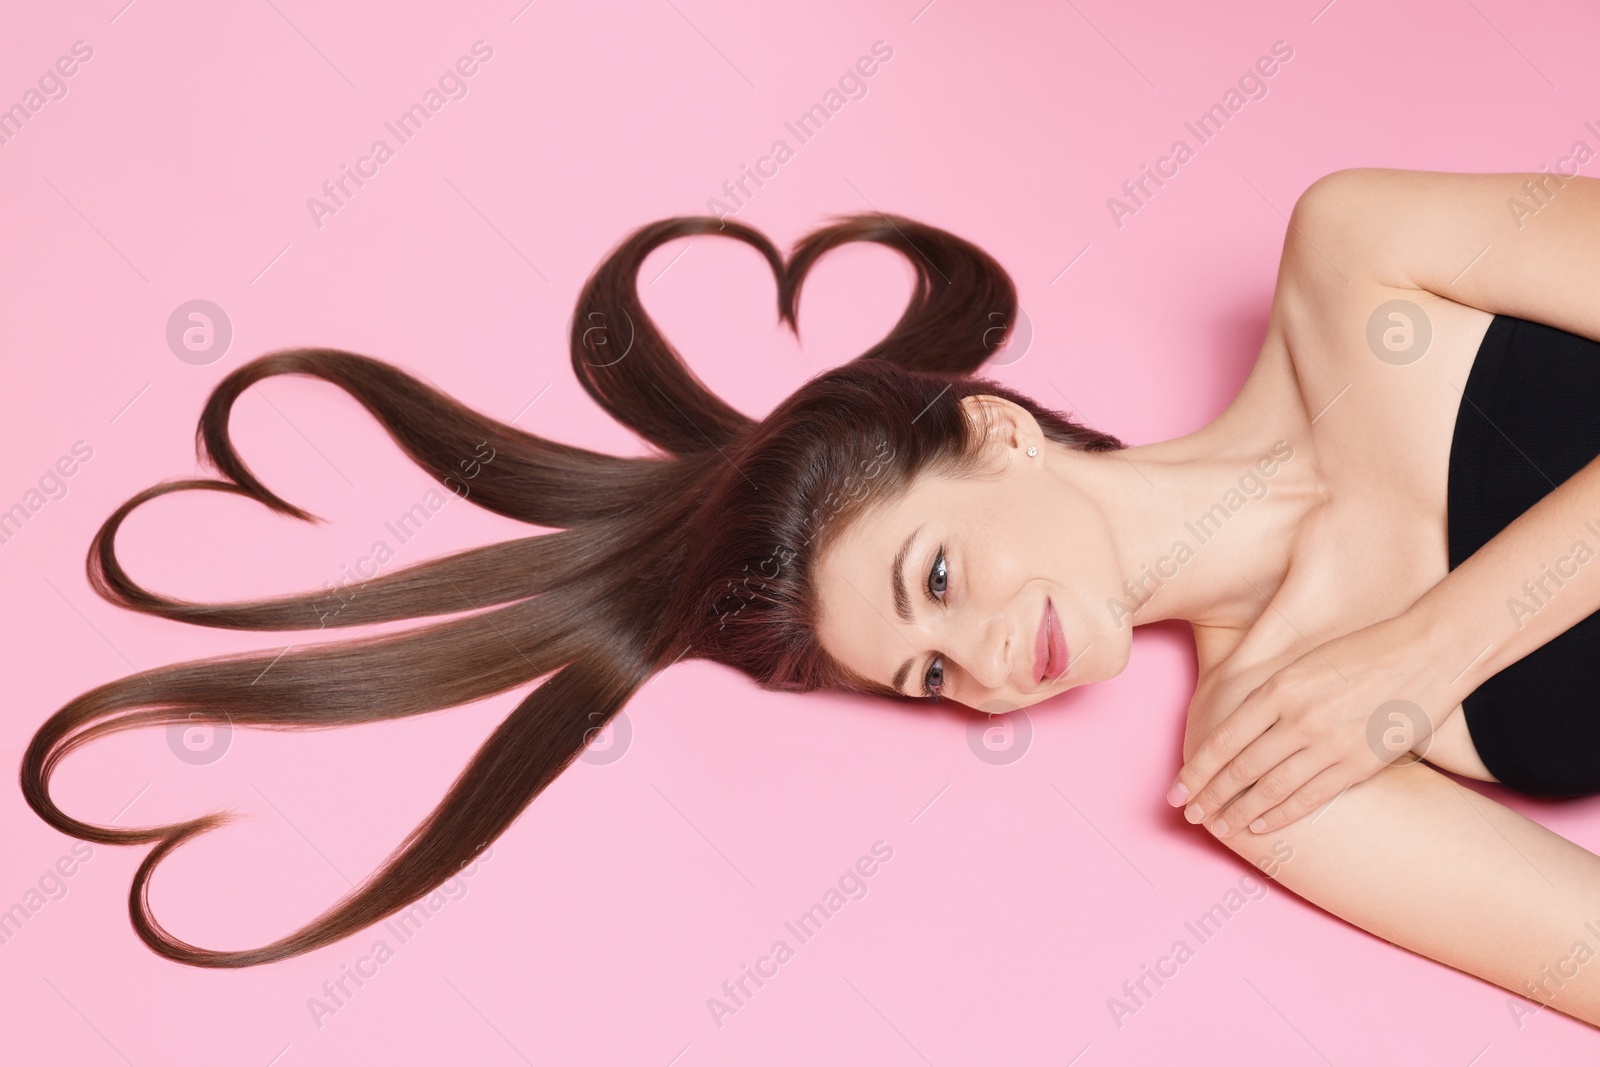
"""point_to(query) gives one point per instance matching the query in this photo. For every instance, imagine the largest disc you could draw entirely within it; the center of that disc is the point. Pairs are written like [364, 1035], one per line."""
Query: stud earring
[1033, 451]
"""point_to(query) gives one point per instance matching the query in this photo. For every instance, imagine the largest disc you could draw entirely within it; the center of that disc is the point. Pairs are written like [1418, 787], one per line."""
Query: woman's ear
[1000, 422]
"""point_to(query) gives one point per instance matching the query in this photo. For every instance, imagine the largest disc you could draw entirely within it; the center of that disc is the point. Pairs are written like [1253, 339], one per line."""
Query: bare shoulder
[1375, 338]
[1515, 243]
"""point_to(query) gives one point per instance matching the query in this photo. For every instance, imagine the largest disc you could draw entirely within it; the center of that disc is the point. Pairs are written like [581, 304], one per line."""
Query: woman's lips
[1049, 647]
[1058, 648]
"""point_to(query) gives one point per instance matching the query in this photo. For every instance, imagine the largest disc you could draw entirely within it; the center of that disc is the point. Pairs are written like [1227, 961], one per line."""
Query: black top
[1530, 419]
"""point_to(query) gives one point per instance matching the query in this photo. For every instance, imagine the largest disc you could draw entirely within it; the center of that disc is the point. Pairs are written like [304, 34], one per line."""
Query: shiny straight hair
[705, 549]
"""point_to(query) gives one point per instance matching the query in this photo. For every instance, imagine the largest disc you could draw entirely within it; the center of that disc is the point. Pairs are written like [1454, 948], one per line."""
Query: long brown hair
[702, 550]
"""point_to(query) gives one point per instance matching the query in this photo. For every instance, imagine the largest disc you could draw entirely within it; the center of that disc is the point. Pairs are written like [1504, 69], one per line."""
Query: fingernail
[1259, 826]
[1177, 794]
[1220, 828]
[1193, 813]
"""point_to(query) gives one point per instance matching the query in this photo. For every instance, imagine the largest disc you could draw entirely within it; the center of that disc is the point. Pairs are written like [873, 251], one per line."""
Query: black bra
[1530, 419]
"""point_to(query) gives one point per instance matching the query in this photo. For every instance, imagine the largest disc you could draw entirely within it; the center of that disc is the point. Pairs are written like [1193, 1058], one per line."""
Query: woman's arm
[1526, 245]
[1470, 625]
[1408, 854]
[1478, 618]
[1437, 868]
[1521, 244]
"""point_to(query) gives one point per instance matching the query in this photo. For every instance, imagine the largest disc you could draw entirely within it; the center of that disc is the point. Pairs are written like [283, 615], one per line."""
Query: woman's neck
[1204, 525]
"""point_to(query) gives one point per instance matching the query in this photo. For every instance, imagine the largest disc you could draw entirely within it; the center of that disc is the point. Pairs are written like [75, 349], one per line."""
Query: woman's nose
[987, 646]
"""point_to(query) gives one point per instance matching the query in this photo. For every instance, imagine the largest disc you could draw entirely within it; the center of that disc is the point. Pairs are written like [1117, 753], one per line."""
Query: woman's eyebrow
[897, 581]
[902, 603]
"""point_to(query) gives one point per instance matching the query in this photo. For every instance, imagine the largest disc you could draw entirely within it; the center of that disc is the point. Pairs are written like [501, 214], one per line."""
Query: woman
[899, 527]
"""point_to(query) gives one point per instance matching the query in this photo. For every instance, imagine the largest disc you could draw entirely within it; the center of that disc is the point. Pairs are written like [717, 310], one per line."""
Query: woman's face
[981, 561]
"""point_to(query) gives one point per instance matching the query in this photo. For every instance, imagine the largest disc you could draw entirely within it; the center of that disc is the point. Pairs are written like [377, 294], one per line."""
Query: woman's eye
[938, 586]
[933, 681]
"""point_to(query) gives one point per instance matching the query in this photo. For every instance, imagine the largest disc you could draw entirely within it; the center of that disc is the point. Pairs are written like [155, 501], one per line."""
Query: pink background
[1019, 896]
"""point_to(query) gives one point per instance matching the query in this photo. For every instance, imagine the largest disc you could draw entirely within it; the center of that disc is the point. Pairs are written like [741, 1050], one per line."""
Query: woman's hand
[1332, 718]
